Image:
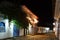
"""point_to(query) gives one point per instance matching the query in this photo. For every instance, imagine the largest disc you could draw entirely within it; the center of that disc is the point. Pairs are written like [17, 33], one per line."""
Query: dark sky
[43, 9]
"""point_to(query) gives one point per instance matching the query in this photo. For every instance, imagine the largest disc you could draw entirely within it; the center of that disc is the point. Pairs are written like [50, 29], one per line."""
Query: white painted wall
[30, 29]
[21, 32]
[9, 30]
[5, 34]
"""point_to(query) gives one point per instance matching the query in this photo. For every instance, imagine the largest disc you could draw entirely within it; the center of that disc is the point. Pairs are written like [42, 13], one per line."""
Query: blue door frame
[15, 31]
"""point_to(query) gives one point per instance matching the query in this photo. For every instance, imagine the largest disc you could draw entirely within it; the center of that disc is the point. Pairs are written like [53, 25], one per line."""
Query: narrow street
[29, 19]
[49, 36]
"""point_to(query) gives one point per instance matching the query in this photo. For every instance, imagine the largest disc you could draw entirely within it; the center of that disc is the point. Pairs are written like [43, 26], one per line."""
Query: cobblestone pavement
[49, 36]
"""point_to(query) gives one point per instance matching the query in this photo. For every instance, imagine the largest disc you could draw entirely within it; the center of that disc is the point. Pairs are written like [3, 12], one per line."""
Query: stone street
[47, 36]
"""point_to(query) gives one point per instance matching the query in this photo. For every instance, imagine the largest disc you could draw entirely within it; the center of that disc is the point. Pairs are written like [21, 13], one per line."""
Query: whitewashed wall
[11, 30]
[5, 34]
[21, 32]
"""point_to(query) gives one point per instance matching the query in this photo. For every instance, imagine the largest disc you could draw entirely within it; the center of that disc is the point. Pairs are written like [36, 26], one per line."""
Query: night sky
[43, 9]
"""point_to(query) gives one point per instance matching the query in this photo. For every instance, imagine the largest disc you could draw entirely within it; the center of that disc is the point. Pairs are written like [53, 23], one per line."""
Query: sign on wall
[2, 27]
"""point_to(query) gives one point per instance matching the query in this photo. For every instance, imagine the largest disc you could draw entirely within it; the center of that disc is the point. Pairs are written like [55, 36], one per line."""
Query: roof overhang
[30, 15]
[28, 12]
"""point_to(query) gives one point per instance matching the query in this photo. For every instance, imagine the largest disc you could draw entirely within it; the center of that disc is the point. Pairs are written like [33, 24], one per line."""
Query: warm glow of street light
[47, 29]
[53, 23]
[35, 21]
[28, 18]
[32, 20]
[27, 11]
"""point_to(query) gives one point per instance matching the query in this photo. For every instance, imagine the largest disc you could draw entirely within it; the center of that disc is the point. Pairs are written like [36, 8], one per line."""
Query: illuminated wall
[14, 30]
[58, 31]
[21, 32]
[11, 29]
[7, 29]
[6, 33]
[57, 18]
